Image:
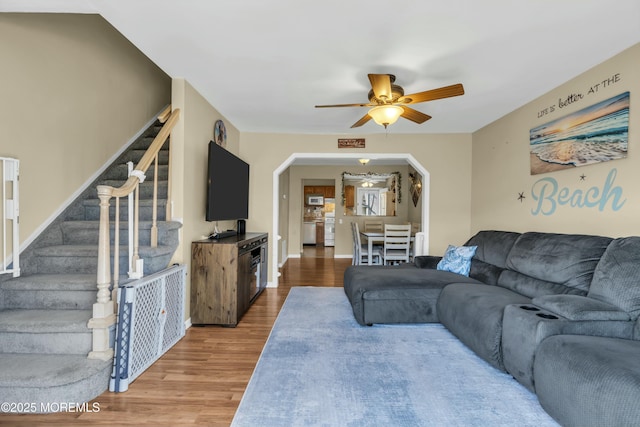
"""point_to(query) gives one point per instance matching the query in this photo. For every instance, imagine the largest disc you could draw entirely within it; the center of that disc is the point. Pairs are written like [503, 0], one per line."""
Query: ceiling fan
[389, 101]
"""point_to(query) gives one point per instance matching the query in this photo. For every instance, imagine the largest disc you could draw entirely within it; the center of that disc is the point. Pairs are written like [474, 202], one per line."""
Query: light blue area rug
[320, 368]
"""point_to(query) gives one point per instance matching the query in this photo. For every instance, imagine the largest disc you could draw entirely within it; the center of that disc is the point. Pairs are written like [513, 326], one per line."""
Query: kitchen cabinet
[327, 191]
[349, 196]
[320, 233]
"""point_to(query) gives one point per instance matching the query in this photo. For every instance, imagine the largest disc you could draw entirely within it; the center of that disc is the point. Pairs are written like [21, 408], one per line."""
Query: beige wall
[189, 153]
[447, 157]
[415, 211]
[73, 91]
[501, 162]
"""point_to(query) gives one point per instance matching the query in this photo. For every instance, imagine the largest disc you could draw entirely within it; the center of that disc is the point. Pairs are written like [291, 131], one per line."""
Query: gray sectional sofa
[559, 312]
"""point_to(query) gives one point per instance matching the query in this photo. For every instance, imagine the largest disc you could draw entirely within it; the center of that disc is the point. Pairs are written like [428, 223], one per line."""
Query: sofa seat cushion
[589, 381]
[473, 313]
[557, 259]
[576, 307]
[402, 294]
[615, 279]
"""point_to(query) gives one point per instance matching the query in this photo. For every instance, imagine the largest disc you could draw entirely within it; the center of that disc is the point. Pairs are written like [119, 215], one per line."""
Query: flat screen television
[227, 185]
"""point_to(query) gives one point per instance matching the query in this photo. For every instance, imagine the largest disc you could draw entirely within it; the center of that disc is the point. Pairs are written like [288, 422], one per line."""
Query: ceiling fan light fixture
[386, 115]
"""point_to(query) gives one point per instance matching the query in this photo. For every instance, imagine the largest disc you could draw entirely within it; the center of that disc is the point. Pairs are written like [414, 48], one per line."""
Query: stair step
[92, 209]
[146, 188]
[87, 232]
[44, 321]
[49, 291]
[59, 259]
[135, 156]
[145, 142]
[45, 331]
[46, 380]
[121, 173]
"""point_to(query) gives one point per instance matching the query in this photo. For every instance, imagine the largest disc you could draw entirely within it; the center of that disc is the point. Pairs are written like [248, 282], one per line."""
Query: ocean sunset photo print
[598, 133]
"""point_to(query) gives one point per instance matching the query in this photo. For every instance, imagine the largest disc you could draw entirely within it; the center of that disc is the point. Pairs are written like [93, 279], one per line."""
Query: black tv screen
[227, 185]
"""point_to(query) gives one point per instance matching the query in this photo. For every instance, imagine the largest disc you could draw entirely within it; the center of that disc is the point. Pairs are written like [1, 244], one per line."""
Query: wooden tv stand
[227, 275]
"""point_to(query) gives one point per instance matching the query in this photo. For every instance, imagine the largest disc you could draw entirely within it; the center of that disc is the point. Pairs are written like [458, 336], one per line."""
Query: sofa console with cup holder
[520, 291]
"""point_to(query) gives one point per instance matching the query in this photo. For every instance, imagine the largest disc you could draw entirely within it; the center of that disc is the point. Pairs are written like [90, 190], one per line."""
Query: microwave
[315, 200]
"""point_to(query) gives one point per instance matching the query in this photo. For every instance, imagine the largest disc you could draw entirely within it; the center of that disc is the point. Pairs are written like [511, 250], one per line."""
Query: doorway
[307, 159]
[317, 217]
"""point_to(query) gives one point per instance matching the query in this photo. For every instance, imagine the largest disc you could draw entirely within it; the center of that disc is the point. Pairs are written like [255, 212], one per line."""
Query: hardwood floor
[200, 381]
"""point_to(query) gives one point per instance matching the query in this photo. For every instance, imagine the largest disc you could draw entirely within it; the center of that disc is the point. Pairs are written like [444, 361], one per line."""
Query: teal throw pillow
[457, 259]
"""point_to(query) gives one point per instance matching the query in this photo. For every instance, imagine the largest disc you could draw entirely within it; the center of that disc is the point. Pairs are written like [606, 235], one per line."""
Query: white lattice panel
[150, 322]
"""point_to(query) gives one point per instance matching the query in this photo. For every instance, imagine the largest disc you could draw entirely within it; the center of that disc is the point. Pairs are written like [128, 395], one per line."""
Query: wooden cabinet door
[213, 284]
[349, 196]
[320, 233]
[330, 192]
[245, 282]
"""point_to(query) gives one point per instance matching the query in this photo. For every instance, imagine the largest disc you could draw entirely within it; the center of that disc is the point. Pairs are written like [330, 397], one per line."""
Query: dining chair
[373, 225]
[415, 229]
[356, 244]
[361, 250]
[397, 243]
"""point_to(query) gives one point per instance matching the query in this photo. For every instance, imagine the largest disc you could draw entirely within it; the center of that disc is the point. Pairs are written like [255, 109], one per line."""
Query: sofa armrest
[577, 307]
[426, 261]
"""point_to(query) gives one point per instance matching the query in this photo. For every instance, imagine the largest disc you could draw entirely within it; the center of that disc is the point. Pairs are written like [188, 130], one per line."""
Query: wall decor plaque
[351, 143]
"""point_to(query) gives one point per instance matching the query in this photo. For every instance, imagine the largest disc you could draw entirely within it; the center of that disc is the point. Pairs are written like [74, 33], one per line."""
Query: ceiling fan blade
[362, 121]
[381, 85]
[431, 95]
[414, 115]
[345, 105]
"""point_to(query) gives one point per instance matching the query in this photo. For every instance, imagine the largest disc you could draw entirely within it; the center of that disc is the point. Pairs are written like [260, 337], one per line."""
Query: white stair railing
[104, 316]
[11, 216]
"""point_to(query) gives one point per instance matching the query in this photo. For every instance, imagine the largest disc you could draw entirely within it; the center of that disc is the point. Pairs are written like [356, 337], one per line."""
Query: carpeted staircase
[44, 339]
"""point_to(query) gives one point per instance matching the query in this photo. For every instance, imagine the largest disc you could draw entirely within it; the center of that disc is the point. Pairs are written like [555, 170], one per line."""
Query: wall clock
[220, 134]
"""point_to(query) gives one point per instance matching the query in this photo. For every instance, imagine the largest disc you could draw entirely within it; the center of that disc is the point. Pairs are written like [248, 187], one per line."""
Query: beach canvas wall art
[598, 133]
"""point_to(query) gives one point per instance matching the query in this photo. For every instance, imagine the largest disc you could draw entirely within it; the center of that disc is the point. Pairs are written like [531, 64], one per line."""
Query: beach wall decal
[598, 133]
[549, 196]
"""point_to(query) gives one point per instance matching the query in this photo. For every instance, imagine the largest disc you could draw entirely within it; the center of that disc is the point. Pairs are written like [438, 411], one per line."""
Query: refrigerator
[329, 222]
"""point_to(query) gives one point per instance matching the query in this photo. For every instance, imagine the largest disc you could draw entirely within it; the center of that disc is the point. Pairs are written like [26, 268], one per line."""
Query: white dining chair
[375, 225]
[361, 250]
[397, 243]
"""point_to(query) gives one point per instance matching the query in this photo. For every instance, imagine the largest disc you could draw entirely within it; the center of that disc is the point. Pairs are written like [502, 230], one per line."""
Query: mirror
[371, 194]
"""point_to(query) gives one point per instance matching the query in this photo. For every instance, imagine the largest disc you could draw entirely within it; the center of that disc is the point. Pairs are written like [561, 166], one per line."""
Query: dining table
[372, 238]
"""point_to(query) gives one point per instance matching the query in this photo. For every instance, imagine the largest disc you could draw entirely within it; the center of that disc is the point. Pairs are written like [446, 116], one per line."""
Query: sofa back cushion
[548, 263]
[493, 246]
[616, 279]
[491, 254]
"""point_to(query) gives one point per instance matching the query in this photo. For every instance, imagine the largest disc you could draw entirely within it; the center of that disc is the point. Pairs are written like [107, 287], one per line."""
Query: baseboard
[280, 265]
[294, 256]
[343, 256]
[187, 323]
[86, 184]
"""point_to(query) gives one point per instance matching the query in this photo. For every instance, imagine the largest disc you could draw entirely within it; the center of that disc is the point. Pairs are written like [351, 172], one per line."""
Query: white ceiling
[265, 64]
